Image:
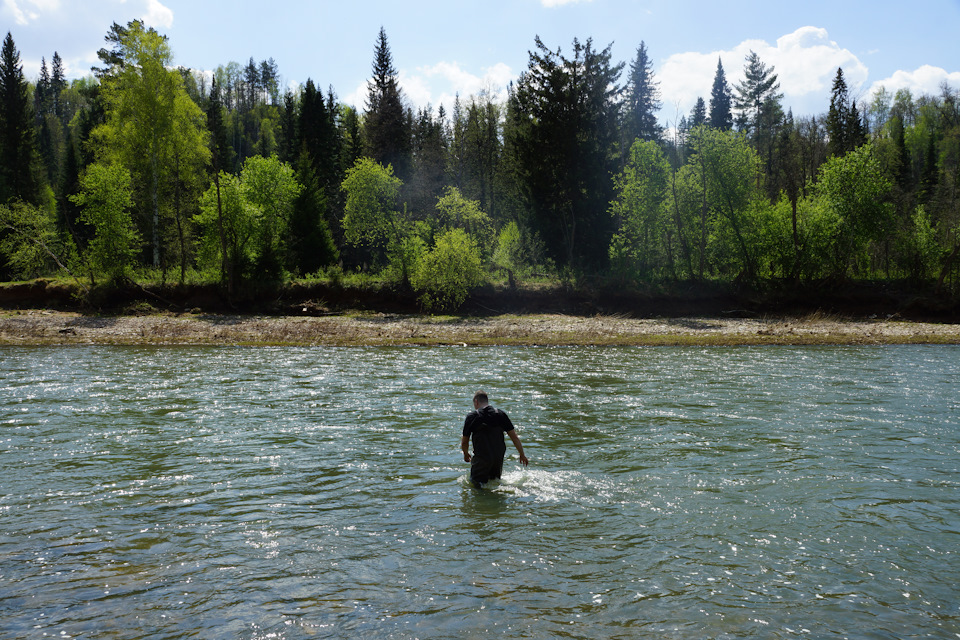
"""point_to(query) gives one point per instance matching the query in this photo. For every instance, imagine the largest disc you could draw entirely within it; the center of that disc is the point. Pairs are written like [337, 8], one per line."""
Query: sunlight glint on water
[320, 493]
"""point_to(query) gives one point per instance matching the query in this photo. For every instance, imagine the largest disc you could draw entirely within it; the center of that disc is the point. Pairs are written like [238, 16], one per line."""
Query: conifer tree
[757, 99]
[698, 115]
[17, 149]
[57, 84]
[844, 125]
[387, 127]
[643, 100]
[562, 132]
[721, 115]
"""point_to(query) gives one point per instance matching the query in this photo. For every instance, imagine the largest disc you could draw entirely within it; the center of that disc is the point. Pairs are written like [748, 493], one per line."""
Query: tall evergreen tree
[18, 177]
[563, 133]
[698, 115]
[58, 83]
[41, 91]
[757, 98]
[721, 114]
[320, 137]
[387, 127]
[310, 245]
[844, 124]
[837, 116]
[429, 162]
[643, 100]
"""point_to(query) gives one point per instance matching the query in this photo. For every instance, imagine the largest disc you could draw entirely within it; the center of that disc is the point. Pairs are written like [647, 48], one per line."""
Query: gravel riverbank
[43, 327]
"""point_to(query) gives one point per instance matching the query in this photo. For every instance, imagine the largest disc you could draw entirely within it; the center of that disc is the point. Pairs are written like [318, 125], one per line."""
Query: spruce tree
[387, 125]
[57, 84]
[643, 100]
[698, 115]
[721, 115]
[18, 179]
[844, 125]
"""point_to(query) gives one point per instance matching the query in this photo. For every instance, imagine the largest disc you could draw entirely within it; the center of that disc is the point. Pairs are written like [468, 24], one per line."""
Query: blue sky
[442, 48]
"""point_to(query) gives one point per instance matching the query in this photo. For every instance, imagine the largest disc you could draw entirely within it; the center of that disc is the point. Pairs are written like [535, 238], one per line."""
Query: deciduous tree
[151, 123]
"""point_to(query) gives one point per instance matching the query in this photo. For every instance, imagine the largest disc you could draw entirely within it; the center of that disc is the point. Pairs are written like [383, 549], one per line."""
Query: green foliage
[227, 224]
[152, 126]
[641, 188]
[510, 254]
[105, 199]
[923, 251]
[370, 212]
[562, 136]
[553, 161]
[725, 171]
[858, 192]
[446, 274]
[18, 158]
[29, 242]
[456, 212]
[404, 253]
[249, 215]
[386, 128]
[310, 243]
[270, 188]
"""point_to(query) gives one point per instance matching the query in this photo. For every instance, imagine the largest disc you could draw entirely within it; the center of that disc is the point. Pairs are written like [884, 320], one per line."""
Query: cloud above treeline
[805, 61]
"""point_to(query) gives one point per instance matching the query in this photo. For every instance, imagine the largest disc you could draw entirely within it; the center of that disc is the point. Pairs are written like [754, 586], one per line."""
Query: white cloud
[158, 16]
[805, 62]
[439, 84]
[925, 80]
[26, 11]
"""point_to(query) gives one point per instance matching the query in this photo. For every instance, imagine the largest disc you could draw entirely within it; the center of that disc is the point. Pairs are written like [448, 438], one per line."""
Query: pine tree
[757, 98]
[721, 116]
[17, 151]
[387, 127]
[643, 100]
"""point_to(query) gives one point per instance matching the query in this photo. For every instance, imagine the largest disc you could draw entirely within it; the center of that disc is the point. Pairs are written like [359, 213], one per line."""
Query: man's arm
[516, 442]
[465, 445]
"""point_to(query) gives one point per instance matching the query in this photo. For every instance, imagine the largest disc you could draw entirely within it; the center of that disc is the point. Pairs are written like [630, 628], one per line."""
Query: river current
[320, 493]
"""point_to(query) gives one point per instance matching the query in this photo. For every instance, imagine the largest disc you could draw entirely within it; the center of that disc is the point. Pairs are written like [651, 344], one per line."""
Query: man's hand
[466, 457]
[523, 460]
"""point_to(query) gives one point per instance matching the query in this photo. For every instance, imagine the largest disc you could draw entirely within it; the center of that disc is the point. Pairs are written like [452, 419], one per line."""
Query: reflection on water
[320, 493]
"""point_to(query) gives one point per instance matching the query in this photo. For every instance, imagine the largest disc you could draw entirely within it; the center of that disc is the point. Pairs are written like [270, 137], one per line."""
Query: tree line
[150, 171]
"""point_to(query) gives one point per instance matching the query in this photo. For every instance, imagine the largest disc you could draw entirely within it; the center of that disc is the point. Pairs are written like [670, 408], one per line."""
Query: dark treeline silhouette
[227, 177]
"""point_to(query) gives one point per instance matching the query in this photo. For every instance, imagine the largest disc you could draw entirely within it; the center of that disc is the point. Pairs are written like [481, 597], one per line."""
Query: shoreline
[62, 328]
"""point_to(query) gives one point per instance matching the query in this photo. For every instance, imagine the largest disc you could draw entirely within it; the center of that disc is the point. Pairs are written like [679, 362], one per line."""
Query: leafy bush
[446, 273]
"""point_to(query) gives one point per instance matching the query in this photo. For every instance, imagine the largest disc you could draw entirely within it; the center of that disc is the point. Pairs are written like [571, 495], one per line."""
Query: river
[232, 492]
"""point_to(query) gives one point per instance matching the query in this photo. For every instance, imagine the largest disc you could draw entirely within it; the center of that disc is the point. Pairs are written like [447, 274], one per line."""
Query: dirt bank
[45, 327]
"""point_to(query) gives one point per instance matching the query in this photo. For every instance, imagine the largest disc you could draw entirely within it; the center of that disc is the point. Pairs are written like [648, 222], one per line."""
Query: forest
[145, 172]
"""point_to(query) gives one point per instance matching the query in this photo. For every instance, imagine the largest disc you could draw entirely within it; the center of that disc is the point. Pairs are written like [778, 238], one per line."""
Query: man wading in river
[487, 425]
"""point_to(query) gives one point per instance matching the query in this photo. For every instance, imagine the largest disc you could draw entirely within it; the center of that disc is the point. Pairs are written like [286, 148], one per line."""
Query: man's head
[480, 399]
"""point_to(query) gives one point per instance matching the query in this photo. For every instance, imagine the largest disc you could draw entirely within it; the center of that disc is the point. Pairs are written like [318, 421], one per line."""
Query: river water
[320, 493]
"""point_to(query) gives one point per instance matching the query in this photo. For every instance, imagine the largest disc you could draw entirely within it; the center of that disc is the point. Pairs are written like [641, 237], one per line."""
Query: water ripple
[319, 493]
